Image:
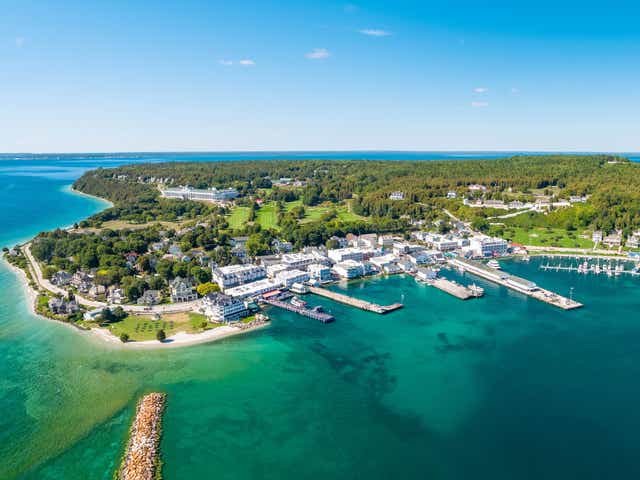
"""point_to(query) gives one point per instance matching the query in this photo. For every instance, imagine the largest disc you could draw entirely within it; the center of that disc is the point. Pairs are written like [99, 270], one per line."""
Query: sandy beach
[180, 339]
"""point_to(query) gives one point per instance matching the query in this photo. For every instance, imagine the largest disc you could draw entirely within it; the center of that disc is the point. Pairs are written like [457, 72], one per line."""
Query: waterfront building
[254, 289]
[426, 274]
[61, 306]
[150, 297]
[483, 246]
[406, 266]
[384, 260]
[522, 283]
[93, 315]
[391, 268]
[634, 240]
[597, 236]
[339, 255]
[613, 240]
[182, 290]
[319, 272]
[218, 308]
[419, 257]
[349, 269]
[233, 275]
[208, 195]
[288, 277]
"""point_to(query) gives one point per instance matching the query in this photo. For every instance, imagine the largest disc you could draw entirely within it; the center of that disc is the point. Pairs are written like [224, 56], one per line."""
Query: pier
[141, 459]
[355, 302]
[518, 284]
[455, 289]
[306, 312]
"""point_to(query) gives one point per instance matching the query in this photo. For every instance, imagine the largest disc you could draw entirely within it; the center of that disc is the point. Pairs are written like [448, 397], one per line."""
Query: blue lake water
[498, 388]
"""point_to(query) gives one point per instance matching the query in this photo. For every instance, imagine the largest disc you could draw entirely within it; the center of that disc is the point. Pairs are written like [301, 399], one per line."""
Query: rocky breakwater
[141, 459]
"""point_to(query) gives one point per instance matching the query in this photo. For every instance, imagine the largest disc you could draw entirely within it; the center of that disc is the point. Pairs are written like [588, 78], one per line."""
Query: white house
[182, 290]
[339, 255]
[319, 272]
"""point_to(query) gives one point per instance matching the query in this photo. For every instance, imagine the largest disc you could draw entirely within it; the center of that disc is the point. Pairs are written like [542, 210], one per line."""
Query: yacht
[493, 264]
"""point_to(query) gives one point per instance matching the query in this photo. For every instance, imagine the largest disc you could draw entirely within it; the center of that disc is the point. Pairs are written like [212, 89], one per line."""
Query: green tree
[161, 336]
[206, 288]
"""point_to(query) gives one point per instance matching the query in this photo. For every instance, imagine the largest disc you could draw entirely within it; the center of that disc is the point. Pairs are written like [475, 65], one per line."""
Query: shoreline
[88, 195]
[105, 337]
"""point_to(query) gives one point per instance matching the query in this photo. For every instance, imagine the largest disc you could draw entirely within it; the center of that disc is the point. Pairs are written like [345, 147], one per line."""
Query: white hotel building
[208, 195]
[289, 277]
[233, 275]
[298, 260]
[488, 246]
[219, 307]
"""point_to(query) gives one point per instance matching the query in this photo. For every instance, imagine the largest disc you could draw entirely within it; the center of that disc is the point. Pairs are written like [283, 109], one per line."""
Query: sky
[111, 76]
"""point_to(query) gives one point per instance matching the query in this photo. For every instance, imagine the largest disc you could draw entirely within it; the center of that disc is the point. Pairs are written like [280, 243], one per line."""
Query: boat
[526, 258]
[493, 264]
[298, 302]
[476, 290]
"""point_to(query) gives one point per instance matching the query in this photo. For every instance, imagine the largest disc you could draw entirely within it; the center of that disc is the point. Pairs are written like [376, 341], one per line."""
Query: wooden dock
[306, 312]
[453, 288]
[520, 285]
[141, 459]
[355, 302]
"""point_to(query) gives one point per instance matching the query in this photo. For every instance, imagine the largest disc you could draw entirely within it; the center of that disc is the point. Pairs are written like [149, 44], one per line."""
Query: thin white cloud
[375, 32]
[19, 42]
[247, 62]
[479, 104]
[318, 54]
[480, 90]
[226, 63]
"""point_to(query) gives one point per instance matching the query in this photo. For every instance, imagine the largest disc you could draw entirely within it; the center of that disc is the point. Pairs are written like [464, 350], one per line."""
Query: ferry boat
[298, 302]
[493, 264]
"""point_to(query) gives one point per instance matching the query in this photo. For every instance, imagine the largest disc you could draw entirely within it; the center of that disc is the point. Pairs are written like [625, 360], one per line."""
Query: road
[36, 273]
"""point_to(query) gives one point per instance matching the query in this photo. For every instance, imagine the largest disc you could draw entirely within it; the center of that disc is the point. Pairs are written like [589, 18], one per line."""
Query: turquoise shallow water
[501, 388]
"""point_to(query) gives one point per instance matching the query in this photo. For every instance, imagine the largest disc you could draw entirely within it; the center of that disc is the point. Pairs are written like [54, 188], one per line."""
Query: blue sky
[428, 75]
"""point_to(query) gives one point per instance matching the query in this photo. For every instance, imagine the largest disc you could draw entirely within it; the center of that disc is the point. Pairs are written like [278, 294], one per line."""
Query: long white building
[488, 246]
[289, 277]
[233, 275]
[208, 195]
[219, 307]
[254, 289]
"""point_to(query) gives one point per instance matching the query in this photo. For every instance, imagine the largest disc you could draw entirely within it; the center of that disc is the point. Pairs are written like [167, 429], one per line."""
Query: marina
[301, 309]
[355, 302]
[609, 268]
[512, 282]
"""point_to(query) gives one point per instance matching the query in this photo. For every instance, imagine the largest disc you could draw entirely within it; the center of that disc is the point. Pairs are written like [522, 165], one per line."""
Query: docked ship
[476, 290]
[493, 264]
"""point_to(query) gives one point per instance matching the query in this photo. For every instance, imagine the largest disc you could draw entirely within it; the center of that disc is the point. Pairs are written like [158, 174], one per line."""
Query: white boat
[477, 290]
[298, 302]
[493, 264]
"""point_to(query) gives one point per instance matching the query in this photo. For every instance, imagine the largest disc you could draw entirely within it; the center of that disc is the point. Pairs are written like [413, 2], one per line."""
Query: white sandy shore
[180, 339]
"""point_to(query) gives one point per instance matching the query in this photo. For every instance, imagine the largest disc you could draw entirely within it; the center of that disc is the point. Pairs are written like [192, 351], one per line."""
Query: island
[190, 252]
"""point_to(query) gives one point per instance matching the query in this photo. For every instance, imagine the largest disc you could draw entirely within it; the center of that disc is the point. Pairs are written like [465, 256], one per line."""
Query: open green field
[548, 237]
[267, 215]
[145, 327]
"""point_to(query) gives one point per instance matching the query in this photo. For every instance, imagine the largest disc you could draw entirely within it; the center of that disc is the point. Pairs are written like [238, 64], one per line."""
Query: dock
[455, 289]
[306, 312]
[355, 302]
[512, 282]
[141, 460]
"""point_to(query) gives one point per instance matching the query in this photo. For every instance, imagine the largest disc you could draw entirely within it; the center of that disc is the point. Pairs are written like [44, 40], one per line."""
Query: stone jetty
[141, 459]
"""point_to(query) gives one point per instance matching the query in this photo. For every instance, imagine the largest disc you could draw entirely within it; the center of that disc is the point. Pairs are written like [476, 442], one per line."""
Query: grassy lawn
[547, 237]
[267, 215]
[124, 225]
[239, 217]
[144, 327]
